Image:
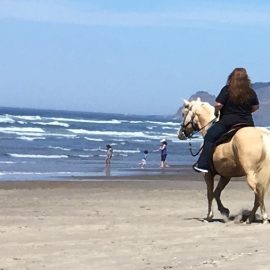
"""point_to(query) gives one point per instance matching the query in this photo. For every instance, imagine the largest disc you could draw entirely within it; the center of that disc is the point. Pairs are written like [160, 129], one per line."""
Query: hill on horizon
[261, 117]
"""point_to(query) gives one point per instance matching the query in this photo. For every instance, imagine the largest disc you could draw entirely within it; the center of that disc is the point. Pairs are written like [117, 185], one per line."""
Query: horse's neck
[205, 117]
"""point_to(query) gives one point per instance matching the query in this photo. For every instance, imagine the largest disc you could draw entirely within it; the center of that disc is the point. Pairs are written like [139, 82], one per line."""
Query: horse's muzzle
[181, 136]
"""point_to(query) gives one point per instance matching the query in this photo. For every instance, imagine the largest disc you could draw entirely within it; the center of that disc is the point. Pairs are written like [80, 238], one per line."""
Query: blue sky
[139, 56]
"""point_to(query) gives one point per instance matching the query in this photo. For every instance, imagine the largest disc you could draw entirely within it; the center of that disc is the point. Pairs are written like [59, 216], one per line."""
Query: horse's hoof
[225, 212]
[248, 221]
[208, 219]
[265, 221]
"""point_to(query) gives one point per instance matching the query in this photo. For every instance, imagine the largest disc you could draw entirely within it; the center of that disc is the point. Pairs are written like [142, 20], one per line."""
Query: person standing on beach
[108, 154]
[163, 152]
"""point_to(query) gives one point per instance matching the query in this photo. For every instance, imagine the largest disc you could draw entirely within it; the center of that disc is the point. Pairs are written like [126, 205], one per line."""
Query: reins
[195, 132]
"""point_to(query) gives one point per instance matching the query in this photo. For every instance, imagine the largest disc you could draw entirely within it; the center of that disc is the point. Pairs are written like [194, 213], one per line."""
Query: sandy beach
[118, 224]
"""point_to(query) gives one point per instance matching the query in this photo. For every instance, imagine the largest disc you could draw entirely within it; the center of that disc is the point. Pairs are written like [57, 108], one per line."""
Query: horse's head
[195, 114]
[188, 125]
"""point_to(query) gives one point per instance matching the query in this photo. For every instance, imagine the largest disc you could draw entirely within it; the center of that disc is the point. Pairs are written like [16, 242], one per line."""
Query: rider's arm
[254, 108]
[218, 107]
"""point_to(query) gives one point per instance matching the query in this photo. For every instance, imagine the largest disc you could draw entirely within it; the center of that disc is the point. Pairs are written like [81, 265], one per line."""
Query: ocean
[46, 144]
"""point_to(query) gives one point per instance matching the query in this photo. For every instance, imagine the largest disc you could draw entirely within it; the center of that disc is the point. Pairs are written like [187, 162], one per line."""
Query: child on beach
[143, 161]
[163, 152]
[109, 154]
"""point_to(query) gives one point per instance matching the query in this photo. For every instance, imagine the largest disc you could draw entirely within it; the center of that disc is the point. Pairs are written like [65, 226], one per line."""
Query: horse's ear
[198, 99]
[186, 102]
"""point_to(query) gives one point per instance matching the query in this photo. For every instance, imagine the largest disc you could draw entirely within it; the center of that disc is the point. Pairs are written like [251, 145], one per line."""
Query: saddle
[226, 137]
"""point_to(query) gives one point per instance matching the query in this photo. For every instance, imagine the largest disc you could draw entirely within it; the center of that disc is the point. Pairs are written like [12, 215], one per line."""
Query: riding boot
[206, 156]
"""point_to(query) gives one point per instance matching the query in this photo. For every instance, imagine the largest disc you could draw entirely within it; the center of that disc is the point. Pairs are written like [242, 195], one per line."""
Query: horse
[246, 154]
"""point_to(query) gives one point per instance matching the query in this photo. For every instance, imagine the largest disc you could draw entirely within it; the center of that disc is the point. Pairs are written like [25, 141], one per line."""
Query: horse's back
[243, 154]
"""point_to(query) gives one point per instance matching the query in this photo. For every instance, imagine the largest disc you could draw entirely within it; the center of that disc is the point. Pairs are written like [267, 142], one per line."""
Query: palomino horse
[246, 154]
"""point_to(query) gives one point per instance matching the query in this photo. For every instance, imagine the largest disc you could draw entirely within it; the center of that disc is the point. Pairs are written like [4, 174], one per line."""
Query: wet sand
[153, 222]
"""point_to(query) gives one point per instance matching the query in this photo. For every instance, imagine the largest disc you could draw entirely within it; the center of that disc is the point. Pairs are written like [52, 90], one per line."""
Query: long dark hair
[239, 86]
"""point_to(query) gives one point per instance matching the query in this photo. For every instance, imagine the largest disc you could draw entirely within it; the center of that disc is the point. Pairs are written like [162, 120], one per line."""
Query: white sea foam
[135, 122]
[93, 139]
[84, 156]
[25, 138]
[54, 123]
[25, 131]
[91, 121]
[59, 148]
[37, 156]
[123, 155]
[17, 130]
[126, 151]
[164, 123]
[169, 128]
[143, 141]
[28, 117]
[7, 162]
[6, 119]
[123, 134]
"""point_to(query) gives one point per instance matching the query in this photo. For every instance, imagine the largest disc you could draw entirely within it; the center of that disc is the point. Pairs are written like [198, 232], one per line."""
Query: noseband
[194, 126]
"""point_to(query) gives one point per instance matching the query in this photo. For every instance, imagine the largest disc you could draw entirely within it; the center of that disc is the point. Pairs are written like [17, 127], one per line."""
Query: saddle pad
[229, 134]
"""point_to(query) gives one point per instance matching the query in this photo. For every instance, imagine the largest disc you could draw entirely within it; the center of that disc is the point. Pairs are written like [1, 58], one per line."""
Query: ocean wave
[37, 156]
[84, 156]
[152, 127]
[21, 122]
[7, 162]
[143, 141]
[170, 128]
[124, 134]
[54, 123]
[25, 138]
[126, 151]
[59, 148]
[135, 122]
[6, 119]
[93, 139]
[27, 117]
[164, 123]
[21, 130]
[113, 121]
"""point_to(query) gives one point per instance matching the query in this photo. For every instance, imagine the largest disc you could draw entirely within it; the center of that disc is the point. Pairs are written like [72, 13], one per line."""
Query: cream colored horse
[246, 154]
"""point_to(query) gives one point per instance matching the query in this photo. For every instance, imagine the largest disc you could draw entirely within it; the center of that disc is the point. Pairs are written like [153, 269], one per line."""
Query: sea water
[46, 144]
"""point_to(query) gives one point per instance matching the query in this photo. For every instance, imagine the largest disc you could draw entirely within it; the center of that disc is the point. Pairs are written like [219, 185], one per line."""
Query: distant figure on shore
[163, 152]
[109, 154]
[142, 163]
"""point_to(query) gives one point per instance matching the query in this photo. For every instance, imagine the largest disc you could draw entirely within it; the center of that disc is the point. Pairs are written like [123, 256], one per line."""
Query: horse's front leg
[223, 181]
[209, 180]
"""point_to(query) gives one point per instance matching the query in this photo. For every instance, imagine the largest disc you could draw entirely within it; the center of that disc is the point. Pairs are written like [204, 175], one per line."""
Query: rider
[235, 103]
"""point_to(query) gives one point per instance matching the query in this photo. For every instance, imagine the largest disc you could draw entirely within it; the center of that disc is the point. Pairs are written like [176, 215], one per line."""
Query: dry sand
[115, 225]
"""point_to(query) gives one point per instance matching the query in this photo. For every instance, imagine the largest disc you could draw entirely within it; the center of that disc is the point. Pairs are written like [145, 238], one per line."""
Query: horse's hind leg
[209, 180]
[259, 200]
[251, 216]
[262, 207]
[223, 181]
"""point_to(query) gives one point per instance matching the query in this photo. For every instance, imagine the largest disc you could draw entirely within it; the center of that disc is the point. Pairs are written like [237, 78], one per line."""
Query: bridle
[194, 126]
[195, 129]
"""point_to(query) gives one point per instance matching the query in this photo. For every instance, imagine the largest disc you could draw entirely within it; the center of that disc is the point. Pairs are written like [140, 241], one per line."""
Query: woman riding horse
[236, 102]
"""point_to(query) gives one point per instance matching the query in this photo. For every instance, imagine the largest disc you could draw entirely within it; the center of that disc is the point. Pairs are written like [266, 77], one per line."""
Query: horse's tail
[264, 173]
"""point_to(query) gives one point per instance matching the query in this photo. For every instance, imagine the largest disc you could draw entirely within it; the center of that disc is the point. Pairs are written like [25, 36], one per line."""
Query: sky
[127, 56]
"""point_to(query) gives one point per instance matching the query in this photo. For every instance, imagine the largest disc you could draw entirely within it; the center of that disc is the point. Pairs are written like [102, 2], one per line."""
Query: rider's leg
[212, 135]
